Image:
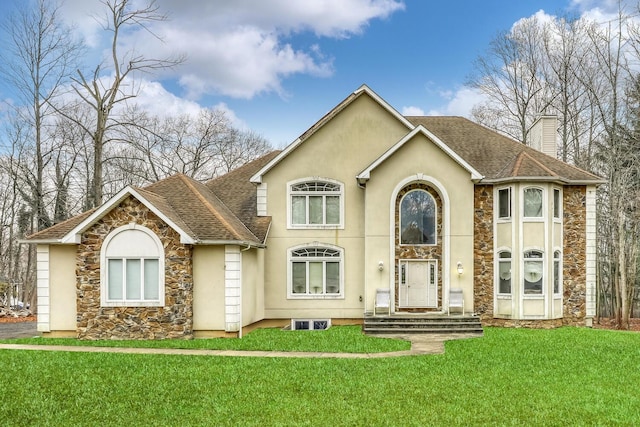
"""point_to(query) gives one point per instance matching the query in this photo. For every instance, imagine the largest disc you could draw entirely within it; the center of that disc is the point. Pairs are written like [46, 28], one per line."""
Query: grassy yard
[561, 377]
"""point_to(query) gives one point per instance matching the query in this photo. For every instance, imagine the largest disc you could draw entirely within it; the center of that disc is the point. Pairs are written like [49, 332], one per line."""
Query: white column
[233, 288]
[591, 251]
[42, 274]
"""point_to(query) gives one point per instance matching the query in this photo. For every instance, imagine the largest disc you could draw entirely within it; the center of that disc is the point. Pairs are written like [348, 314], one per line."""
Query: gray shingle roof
[224, 210]
[498, 157]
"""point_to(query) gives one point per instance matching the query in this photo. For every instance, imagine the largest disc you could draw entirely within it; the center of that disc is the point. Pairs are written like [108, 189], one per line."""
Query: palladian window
[315, 204]
[315, 271]
[418, 218]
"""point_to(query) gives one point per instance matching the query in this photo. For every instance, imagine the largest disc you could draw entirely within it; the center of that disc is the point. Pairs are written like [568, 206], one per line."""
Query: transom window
[315, 271]
[315, 204]
[418, 218]
[132, 268]
[532, 203]
[504, 272]
[533, 272]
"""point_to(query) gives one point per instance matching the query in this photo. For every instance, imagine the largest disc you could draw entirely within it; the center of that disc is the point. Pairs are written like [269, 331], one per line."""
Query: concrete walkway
[421, 344]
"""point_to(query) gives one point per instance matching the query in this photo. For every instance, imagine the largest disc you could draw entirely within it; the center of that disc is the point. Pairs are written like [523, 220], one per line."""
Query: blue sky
[277, 66]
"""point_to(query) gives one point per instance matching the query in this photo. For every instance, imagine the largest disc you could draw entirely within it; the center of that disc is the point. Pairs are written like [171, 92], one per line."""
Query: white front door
[418, 283]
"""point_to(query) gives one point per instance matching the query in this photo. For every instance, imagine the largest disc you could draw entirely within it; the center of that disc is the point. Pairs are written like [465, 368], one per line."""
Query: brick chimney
[542, 135]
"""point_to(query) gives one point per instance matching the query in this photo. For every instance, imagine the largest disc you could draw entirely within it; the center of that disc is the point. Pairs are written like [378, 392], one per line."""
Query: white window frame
[558, 277]
[292, 257]
[541, 260]
[497, 207]
[558, 205]
[435, 219]
[498, 261]
[156, 252]
[542, 201]
[315, 180]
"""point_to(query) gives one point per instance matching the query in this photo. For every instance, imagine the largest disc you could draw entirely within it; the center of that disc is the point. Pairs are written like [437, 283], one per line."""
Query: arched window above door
[418, 218]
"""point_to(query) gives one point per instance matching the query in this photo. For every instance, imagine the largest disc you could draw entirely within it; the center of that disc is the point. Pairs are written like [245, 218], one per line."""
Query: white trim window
[532, 202]
[557, 273]
[504, 272]
[132, 268]
[557, 204]
[418, 218]
[504, 203]
[315, 271]
[533, 272]
[315, 203]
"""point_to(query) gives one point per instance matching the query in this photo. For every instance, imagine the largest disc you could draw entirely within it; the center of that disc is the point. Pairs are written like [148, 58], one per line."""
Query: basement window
[310, 324]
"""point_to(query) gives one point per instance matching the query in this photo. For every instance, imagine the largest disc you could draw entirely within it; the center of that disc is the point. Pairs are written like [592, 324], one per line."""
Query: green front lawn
[567, 376]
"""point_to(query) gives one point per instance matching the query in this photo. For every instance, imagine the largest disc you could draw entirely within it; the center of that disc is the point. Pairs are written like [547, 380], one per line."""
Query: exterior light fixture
[380, 265]
[460, 268]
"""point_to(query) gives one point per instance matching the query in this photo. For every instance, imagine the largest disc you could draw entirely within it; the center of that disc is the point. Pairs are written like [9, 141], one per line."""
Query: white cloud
[239, 48]
[412, 111]
[460, 103]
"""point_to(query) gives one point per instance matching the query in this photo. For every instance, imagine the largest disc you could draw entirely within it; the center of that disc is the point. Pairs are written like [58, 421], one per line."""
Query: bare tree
[510, 75]
[102, 92]
[39, 58]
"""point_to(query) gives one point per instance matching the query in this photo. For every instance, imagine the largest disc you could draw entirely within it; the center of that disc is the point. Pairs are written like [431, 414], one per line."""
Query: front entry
[418, 284]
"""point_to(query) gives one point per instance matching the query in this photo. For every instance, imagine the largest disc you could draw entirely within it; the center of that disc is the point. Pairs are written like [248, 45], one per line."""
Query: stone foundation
[174, 320]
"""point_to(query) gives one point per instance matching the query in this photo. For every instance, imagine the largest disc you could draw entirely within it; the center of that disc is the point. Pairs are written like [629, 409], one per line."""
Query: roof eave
[214, 242]
[556, 179]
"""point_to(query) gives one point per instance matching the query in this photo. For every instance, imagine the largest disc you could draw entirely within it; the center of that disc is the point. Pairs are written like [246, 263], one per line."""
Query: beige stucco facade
[357, 165]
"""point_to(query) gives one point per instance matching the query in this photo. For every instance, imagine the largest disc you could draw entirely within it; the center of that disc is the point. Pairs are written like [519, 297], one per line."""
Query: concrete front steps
[413, 323]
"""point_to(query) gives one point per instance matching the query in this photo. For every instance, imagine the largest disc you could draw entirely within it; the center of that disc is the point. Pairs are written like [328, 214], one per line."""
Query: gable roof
[488, 155]
[497, 157]
[238, 193]
[188, 206]
[366, 174]
[362, 90]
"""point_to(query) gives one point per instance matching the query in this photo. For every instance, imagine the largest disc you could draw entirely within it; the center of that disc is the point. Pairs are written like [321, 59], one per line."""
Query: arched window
[532, 202]
[504, 272]
[315, 271]
[132, 268]
[418, 218]
[533, 272]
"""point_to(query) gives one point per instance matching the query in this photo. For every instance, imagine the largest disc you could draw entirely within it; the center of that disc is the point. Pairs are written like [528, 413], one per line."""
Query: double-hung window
[504, 272]
[316, 204]
[132, 268]
[315, 271]
[533, 272]
[557, 272]
[504, 203]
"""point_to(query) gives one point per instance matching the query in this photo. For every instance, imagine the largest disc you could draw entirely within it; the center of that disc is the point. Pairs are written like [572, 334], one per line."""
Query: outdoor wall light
[380, 265]
[460, 268]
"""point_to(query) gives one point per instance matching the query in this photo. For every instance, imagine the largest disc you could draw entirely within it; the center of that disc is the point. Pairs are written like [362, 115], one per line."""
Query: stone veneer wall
[174, 320]
[574, 248]
[574, 260]
[483, 252]
[419, 251]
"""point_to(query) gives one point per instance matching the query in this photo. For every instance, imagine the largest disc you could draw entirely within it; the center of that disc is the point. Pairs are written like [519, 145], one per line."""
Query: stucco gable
[419, 130]
[363, 90]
